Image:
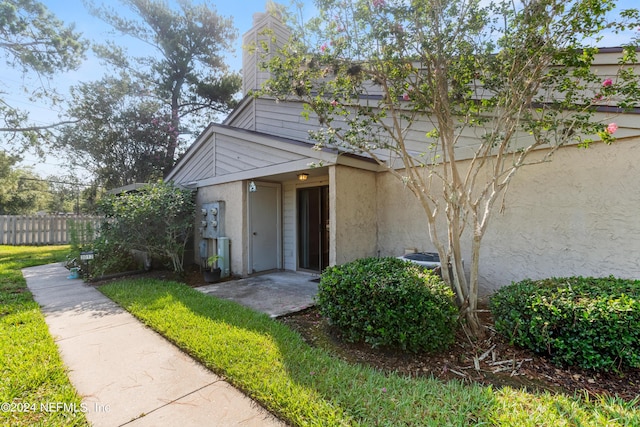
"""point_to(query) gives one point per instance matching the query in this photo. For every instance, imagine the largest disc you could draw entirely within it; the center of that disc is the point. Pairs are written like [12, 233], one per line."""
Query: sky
[73, 11]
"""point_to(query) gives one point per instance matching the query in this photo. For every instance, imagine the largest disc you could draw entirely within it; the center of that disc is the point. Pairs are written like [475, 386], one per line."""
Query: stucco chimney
[267, 28]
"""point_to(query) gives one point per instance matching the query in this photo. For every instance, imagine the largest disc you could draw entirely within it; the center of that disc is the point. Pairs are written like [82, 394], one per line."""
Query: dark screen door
[313, 228]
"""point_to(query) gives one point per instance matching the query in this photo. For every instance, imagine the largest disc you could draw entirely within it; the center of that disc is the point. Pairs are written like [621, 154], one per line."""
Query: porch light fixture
[303, 176]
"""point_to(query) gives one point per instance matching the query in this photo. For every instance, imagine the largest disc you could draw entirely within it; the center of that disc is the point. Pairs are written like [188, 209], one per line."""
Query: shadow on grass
[307, 386]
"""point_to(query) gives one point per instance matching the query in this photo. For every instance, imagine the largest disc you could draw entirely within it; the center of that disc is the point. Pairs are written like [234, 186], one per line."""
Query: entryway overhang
[224, 154]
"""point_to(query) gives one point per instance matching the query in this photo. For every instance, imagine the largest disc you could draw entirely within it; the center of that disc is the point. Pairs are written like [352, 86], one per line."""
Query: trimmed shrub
[388, 302]
[589, 322]
[156, 219]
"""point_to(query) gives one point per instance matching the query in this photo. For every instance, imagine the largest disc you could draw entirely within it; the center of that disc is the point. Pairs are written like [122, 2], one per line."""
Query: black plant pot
[212, 275]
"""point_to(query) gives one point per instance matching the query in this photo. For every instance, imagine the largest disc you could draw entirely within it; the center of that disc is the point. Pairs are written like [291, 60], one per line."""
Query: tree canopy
[34, 42]
[186, 71]
[21, 191]
[122, 133]
[453, 97]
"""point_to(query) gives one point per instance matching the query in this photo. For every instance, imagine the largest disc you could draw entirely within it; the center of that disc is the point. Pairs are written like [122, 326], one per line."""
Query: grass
[31, 371]
[307, 386]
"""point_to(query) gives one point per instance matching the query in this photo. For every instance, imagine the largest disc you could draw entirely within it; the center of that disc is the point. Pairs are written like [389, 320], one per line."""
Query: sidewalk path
[126, 373]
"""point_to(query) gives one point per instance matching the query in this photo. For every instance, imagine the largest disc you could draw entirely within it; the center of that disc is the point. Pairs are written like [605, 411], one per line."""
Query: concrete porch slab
[276, 294]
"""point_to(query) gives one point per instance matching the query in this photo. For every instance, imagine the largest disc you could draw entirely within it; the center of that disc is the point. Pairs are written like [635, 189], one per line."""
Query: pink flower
[598, 97]
[378, 3]
[612, 128]
[607, 83]
[383, 389]
[334, 103]
[323, 47]
[405, 96]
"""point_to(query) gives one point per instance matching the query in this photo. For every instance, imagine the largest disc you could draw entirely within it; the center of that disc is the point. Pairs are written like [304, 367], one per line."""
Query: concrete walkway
[126, 373]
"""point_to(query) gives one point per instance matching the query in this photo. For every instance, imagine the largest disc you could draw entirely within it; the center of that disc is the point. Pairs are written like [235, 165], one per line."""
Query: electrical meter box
[212, 222]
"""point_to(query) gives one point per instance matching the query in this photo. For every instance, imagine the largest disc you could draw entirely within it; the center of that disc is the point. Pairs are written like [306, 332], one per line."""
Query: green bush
[111, 257]
[588, 322]
[156, 219]
[388, 302]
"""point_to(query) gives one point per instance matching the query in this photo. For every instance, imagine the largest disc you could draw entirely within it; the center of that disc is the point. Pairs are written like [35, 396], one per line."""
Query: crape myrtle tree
[516, 77]
[36, 45]
[184, 68]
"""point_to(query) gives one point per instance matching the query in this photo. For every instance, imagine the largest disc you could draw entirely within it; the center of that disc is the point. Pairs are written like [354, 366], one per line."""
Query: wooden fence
[45, 229]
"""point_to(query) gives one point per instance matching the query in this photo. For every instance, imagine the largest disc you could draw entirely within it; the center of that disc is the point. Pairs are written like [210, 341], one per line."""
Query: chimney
[267, 27]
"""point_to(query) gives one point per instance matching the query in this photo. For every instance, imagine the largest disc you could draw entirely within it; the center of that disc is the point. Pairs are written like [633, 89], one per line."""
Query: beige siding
[198, 166]
[283, 119]
[218, 154]
[244, 118]
[235, 155]
[266, 29]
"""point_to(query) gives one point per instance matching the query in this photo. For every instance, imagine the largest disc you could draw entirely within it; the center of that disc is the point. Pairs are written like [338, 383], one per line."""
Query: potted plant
[211, 271]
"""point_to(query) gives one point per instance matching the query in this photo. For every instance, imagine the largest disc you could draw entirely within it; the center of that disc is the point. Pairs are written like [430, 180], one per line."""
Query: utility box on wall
[212, 224]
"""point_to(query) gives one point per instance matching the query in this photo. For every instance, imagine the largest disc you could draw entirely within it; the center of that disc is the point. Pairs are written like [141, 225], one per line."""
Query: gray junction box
[212, 224]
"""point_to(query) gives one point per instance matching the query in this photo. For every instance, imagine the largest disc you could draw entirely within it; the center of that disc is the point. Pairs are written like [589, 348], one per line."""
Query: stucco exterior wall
[234, 195]
[402, 223]
[576, 215]
[353, 224]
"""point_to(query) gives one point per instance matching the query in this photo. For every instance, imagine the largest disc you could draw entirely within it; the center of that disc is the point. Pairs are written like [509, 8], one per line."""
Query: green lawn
[34, 387]
[307, 386]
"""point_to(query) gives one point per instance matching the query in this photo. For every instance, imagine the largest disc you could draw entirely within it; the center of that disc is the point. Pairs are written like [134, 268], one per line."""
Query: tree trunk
[469, 298]
[475, 325]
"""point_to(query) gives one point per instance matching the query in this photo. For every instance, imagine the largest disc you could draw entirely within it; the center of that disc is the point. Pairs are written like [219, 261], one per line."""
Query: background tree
[420, 85]
[64, 197]
[34, 43]
[69, 195]
[122, 133]
[187, 73]
[21, 191]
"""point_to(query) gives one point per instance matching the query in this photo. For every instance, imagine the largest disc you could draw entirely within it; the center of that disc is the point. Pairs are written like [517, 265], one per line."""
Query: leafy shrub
[589, 322]
[388, 302]
[111, 257]
[156, 219]
[81, 238]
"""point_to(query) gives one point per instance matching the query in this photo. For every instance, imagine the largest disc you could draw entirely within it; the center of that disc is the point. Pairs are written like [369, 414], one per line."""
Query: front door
[313, 228]
[264, 227]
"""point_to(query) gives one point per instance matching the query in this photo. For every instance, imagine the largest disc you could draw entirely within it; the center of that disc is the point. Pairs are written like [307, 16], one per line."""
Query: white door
[264, 227]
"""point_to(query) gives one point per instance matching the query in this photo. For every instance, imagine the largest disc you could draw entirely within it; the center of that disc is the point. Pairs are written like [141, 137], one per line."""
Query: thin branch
[37, 128]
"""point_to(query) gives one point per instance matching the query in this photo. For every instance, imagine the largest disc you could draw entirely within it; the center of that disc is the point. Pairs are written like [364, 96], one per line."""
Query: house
[282, 205]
